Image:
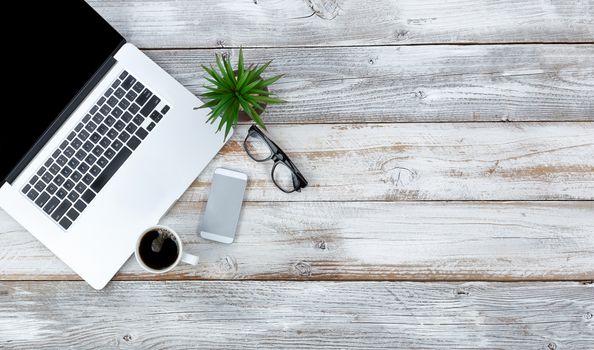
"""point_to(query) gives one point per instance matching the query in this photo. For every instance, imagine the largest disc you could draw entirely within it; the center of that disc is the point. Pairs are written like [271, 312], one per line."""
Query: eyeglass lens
[283, 177]
[257, 148]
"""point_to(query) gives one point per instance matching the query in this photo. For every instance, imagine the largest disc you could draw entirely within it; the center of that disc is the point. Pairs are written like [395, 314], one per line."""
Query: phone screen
[224, 205]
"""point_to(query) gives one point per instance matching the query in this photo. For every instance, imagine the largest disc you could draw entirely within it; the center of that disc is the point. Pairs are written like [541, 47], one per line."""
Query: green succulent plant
[232, 91]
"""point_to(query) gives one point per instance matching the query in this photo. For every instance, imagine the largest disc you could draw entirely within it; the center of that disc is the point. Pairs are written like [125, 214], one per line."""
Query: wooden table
[449, 147]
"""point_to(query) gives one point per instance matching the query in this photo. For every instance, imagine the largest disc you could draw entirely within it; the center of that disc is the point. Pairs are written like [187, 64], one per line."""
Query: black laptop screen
[46, 65]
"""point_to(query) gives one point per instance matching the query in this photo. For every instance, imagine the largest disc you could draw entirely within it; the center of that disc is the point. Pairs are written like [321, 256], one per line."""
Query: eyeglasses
[285, 174]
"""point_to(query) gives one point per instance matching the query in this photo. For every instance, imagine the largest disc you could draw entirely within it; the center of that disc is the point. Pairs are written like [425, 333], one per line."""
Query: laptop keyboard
[93, 152]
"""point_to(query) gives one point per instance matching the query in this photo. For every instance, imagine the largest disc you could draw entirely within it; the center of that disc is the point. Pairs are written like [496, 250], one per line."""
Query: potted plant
[233, 93]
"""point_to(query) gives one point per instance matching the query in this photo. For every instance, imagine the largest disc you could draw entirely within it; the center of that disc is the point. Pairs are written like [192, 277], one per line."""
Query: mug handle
[189, 259]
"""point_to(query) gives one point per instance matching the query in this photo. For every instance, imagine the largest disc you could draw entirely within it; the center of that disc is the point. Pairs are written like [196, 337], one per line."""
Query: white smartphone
[224, 205]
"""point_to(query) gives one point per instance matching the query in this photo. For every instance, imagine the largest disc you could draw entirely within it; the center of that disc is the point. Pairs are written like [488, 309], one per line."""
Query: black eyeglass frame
[277, 156]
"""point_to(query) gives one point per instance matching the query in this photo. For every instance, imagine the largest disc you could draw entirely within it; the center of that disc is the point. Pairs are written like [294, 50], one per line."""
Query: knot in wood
[552, 346]
[303, 268]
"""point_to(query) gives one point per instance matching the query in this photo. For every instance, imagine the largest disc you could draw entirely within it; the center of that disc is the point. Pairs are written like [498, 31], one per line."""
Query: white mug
[181, 256]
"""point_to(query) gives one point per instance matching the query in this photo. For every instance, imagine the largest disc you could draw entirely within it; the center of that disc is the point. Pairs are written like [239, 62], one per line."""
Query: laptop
[106, 143]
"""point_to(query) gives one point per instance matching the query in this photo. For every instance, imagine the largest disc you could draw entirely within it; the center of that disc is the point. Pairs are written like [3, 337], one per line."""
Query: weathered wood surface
[442, 161]
[360, 241]
[415, 84]
[297, 315]
[265, 23]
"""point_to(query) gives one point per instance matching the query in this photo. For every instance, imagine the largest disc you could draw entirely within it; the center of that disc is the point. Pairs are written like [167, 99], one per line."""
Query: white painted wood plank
[212, 23]
[475, 161]
[361, 241]
[415, 84]
[296, 315]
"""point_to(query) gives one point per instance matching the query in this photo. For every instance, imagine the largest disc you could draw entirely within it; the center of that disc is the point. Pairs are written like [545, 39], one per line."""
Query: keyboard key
[83, 167]
[42, 199]
[47, 177]
[41, 171]
[77, 175]
[78, 127]
[141, 133]
[56, 153]
[81, 187]
[88, 196]
[61, 160]
[76, 143]
[80, 155]
[59, 180]
[32, 194]
[51, 205]
[131, 95]
[88, 146]
[87, 179]
[71, 136]
[95, 170]
[109, 121]
[102, 162]
[133, 143]
[126, 117]
[54, 169]
[40, 186]
[100, 102]
[69, 151]
[72, 214]
[111, 169]
[127, 84]
[80, 205]
[105, 109]
[124, 136]
[131, 128]
[117, 145]
[98, 118]
[143, 97]
[68, 185]
[83, 135]
[95, 137]
[73, 163]
[65, 223]
[102, 129]
[48, 163]
[109, 153]
[165, 110]
[138, 119]
[117, 112]
[62, 193]
[134, 108]
[51, 188]
[64, 144]
[66, 171]
[112, 101]
[150, 106]
[107, 93]
[26, 188]
[98, 150]
[90, 159]
[151, 126]
[73, 196]
[61, 210]
[119, 93]
[90, 127]
[124, 104]
[95, 108]
[116, 84]
[123, 75]
[112, 134]
[86, 118]
[156, 116]
[138, 87]
[105, 142]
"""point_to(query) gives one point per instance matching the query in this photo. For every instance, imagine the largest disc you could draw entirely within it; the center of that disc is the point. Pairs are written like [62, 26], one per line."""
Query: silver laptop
[106, 144]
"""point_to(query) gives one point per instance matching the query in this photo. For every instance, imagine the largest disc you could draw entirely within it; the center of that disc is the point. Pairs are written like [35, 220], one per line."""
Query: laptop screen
[46, 64]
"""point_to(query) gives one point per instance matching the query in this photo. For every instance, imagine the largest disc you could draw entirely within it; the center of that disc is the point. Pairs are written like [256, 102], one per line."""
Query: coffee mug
[159, 249]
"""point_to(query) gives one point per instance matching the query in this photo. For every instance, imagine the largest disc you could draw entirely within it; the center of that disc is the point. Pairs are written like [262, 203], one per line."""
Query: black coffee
[158, 250]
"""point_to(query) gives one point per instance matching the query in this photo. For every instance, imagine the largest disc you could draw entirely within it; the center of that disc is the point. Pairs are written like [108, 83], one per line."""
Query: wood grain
[360, 241]
[415, 84]
[266, 23]
[389, 162]
[297, 315]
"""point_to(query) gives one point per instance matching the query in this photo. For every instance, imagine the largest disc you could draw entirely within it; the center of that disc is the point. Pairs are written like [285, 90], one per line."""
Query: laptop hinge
[64, 115]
